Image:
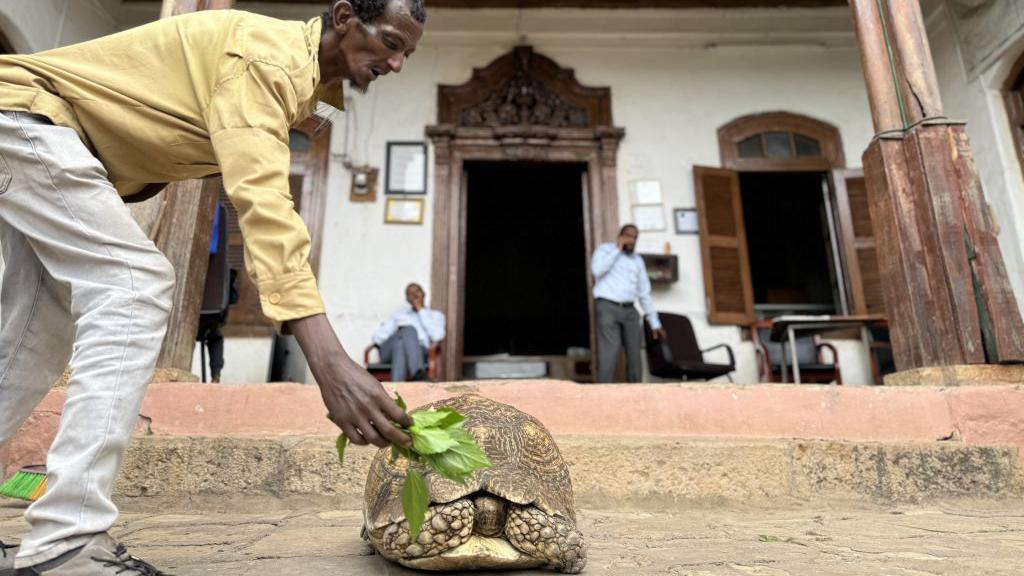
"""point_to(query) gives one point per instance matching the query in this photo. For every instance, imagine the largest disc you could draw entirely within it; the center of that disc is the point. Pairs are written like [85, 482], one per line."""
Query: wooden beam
[946, 291]
[183, 234]
[878, 73]
[919, 88]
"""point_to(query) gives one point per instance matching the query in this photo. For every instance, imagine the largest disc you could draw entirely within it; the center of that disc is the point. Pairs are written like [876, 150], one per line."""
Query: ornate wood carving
[521, 107]
[524, 88]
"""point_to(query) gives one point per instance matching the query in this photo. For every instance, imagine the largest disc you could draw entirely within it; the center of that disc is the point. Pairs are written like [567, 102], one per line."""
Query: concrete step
[606, 471]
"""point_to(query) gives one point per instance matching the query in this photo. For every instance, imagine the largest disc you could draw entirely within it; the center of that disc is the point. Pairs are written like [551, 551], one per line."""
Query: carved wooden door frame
[521, 107]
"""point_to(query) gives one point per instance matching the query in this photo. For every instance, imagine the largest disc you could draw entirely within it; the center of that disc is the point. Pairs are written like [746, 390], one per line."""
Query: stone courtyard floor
[284, 539]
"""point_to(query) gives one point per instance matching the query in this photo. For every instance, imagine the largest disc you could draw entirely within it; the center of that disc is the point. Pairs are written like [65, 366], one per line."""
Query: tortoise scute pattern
[525, 499]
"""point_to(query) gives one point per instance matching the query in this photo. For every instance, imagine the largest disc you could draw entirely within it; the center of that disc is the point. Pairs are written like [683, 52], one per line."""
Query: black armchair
[677, 355]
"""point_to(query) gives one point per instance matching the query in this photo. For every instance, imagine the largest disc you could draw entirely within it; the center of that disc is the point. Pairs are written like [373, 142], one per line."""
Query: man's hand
[620, 243]
[417, 302]
[659, 334]
[355, 401]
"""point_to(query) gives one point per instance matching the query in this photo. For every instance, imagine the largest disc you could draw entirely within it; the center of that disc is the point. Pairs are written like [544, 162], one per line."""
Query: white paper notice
[649, 218]
[407, 169]
[647, 192]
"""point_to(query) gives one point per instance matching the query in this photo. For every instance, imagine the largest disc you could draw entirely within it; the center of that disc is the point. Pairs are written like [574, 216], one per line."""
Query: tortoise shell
[527, 467]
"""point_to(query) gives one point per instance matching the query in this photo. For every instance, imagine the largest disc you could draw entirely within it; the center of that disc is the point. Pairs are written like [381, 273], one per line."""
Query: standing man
[620, 279]
[405, 337]
[83, 128]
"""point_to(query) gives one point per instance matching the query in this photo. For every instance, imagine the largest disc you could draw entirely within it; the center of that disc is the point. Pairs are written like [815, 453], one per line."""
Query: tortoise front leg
[446, 526]
[553, 539]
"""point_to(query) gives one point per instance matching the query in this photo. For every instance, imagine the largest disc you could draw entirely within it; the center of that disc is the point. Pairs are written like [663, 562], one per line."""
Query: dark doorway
[789, 238]
[526, 258]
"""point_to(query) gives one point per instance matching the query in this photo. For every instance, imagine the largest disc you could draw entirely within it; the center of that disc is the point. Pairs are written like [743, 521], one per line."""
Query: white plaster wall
[34, 25]
[979, 101]
[246, 361]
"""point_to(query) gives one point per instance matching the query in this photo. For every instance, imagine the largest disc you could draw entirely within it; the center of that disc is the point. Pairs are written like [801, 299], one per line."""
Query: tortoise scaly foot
[555, 540]
[446, 526]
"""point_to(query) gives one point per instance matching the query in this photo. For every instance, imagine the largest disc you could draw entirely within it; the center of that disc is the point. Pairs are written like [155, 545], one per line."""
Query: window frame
[827, 135]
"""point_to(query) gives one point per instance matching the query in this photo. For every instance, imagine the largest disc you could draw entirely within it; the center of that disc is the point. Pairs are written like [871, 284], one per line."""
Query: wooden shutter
[723, 241]
[860, 258]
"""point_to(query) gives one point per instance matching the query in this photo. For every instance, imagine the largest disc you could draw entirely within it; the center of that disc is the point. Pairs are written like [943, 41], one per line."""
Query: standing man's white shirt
[622, 278]
[429, 325]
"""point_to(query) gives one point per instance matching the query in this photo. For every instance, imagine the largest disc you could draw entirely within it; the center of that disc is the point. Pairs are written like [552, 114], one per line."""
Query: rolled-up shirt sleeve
[249, 118]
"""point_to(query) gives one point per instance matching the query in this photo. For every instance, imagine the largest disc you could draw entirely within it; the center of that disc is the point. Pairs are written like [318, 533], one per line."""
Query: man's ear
[342, 16]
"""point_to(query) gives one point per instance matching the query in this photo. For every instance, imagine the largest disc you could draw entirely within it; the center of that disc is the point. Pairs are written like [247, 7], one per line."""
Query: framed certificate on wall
[403, 211]
[407, 168]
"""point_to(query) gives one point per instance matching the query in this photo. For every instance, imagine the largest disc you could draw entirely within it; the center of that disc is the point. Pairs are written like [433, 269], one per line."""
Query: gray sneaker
[101, 556]
[7, 554]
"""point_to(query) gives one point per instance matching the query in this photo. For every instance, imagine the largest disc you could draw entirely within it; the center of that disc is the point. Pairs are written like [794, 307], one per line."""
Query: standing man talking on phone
[620, 279]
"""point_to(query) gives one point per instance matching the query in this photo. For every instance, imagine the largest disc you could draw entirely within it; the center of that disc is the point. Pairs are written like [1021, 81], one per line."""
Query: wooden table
[784, 330]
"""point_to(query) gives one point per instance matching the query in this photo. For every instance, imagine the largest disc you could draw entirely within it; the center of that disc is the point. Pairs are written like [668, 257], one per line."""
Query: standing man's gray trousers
[405, 354]
[617, 326]
[81, 283]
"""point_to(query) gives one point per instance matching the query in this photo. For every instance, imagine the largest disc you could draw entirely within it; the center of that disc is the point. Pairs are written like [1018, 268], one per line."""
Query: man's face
[628, 239]
[368, 50]
[413, 293]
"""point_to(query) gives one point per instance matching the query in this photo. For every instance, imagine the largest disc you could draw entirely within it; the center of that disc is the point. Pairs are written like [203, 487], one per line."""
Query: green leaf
[406, 453]
[401, 403]
[442, 418]
[414, 502]
[340, 445]
[453, 465]
[460, 435]
[431, 440]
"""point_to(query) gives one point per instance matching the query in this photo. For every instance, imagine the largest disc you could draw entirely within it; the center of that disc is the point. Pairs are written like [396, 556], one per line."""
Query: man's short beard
[360, 89]
[628, 249]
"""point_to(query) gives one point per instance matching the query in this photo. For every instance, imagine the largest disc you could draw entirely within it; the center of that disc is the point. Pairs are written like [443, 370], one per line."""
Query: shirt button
[274, 298]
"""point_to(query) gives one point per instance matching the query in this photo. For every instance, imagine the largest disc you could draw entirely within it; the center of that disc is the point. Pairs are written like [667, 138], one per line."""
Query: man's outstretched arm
[355, 401]
[248, 120]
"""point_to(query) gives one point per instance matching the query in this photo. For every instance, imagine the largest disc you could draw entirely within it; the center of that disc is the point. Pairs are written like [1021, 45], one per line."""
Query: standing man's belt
[621, 304]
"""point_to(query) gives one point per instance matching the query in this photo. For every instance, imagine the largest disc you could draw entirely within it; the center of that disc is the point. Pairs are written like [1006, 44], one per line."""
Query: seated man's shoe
[7, 553]
[101, 556]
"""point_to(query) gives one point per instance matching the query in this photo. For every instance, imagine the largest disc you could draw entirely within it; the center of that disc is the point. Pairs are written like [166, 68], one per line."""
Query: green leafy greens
[439, 444]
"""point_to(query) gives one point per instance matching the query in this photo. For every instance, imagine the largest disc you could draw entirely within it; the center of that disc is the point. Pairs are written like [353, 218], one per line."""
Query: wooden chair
[813, 368]
[382, 371]
[677, 355]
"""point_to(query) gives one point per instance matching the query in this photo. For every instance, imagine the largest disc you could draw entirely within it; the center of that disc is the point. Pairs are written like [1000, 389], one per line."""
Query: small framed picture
[407, 168]
[649, 218]
[403, 211]
[686, 221]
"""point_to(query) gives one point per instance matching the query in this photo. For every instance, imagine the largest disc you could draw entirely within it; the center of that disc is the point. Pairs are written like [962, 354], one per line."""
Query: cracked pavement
[276, 538]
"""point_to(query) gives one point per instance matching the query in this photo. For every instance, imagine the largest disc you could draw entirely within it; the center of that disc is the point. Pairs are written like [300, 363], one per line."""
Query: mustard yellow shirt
[188, 97]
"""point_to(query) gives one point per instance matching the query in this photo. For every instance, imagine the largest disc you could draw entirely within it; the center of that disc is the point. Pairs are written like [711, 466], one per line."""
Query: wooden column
[183, 234]
[946, 290]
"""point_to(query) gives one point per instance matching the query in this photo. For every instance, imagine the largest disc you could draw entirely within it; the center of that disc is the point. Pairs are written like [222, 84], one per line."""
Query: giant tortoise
[517, 514]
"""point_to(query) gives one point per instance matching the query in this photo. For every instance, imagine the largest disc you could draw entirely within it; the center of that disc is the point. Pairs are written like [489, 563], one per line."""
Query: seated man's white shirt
[429, 325]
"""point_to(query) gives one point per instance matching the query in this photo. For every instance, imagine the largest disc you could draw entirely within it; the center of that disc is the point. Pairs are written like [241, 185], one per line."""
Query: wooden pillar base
[947, 292]
[961, 375]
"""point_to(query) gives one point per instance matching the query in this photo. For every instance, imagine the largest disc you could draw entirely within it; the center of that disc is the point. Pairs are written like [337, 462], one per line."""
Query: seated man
[404, 338]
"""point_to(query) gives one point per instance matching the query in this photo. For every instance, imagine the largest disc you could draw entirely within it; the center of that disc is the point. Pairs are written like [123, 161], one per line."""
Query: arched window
[780, 141]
